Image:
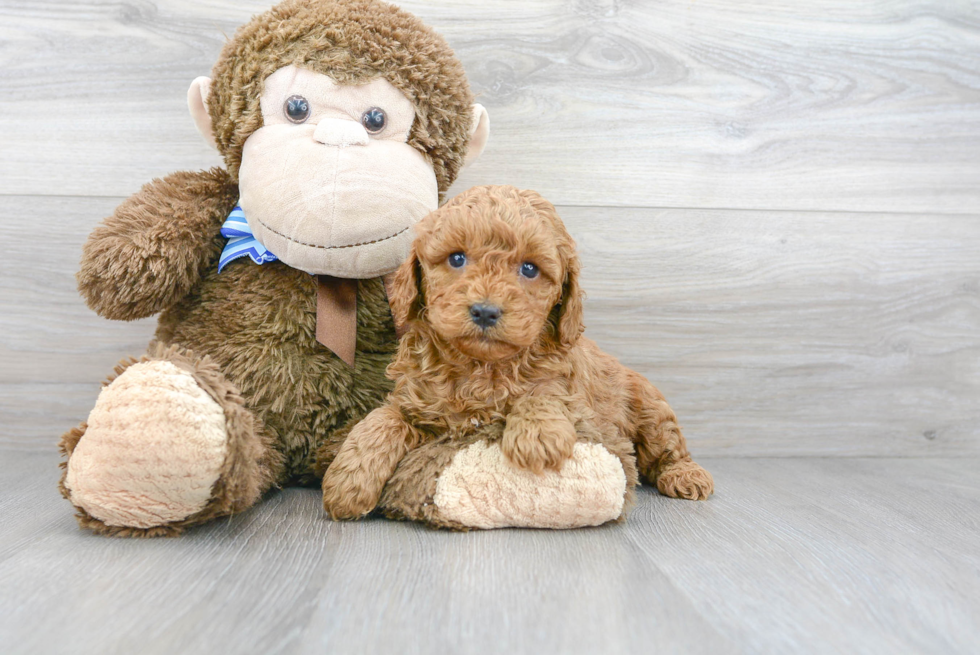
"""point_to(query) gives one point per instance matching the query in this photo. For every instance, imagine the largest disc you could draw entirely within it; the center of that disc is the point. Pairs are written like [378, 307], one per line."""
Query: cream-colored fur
[322, 195]
[152, 451]
[327, 99]
[481, 489]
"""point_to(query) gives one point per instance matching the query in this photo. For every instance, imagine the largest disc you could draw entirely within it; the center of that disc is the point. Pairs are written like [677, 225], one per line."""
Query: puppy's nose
[485, 316]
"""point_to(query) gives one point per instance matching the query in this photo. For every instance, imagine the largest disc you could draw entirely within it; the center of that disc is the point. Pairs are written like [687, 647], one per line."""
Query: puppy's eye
[374, 120]
[457, 260]
[297, 109]
[529, 270]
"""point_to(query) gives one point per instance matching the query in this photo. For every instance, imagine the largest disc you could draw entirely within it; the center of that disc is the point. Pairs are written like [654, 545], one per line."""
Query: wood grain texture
[791, 555]
[794, 329]
[851, 334]
[771, 333]
[822, 105]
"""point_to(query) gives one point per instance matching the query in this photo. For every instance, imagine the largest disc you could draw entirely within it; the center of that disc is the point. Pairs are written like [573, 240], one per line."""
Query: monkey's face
[329, 183]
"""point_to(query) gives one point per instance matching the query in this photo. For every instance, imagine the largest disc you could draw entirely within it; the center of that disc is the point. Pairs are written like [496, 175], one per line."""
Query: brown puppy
[491, 295]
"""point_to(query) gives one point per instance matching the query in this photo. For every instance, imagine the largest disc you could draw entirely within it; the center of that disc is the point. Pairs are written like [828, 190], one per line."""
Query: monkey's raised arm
[156, 245]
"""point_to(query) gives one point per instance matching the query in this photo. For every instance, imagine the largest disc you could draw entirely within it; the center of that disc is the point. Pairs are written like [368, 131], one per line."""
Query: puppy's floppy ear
[570, 326]
[406, 290]
[566, 316]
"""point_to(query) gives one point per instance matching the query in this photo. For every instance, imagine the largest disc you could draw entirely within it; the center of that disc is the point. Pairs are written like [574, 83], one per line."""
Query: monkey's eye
[297, 109]
[529, 270]
[457, 260]
[374, 120]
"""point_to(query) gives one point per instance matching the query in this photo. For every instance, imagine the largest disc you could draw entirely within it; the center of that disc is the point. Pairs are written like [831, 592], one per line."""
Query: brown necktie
[336, 314]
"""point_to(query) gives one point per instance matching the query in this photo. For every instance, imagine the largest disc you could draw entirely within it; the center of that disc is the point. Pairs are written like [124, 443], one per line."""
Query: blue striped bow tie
[241, 241]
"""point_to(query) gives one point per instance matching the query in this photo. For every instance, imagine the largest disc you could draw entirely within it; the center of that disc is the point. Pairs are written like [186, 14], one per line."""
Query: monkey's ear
[197, 102]
[406, 290]
[479, 134]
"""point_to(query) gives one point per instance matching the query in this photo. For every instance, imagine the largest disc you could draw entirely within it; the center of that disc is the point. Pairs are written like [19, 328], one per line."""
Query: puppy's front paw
[537, 443]
[685, 480]
[344, 499]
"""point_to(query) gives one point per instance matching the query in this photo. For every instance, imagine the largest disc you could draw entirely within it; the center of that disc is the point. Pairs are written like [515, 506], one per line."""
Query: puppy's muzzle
[485, 315]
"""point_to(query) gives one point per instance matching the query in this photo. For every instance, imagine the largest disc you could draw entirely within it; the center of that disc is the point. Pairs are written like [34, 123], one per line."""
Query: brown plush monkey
[341, 124]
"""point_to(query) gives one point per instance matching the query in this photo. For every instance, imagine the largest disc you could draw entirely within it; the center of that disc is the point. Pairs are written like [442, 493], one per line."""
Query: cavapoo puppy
[491, 298]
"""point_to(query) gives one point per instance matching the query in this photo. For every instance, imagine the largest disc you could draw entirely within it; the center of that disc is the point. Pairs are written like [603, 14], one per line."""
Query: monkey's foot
[168, 444]
[476, 487]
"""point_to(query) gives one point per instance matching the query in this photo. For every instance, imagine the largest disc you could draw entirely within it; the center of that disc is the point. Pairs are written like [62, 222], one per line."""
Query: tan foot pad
[481, 489]
[152, 451]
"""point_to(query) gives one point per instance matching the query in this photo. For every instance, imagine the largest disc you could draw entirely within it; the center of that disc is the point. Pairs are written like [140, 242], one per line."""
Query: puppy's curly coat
[491, 295]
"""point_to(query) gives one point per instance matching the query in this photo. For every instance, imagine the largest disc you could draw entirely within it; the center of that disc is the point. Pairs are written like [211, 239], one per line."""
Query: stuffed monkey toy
[341, 124]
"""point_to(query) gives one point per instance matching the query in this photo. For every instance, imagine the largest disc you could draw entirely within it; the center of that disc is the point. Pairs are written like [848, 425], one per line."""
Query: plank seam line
[769, 210]
[869, 212]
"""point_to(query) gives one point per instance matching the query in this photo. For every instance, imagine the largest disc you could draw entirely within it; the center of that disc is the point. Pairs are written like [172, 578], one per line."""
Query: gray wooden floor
[778, 208]
[794, 555]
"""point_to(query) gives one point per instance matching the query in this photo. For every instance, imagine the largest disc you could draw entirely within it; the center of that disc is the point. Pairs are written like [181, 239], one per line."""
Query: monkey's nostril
[485, 316]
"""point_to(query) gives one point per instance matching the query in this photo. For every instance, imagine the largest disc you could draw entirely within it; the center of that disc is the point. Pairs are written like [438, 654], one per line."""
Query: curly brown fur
[539, 434]
[156, 245]
[159, 250]
[410, 492]
[366, 460]
[159, 243]
[352, 41]
[250, 468]
[328, 449]
[257, 324]
[531, 371]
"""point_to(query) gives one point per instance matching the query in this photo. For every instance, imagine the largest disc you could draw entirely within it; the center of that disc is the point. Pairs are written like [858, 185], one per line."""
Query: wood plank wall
[778, 203]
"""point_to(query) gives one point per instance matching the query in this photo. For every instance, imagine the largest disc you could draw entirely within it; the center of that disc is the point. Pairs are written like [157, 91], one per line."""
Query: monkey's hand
[539, 434]
[157, 244]
[355, 479]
